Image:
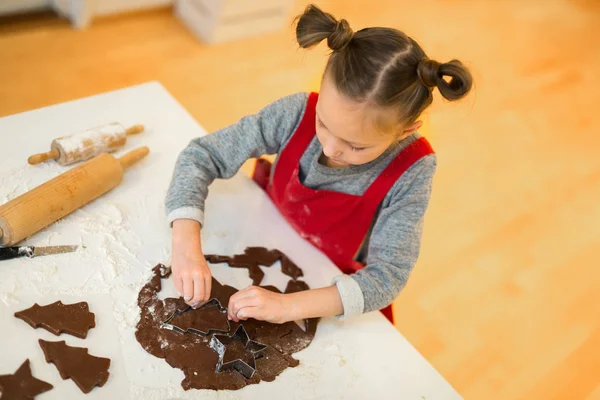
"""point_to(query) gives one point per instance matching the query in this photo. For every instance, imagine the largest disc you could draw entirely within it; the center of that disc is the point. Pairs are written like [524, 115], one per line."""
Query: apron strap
[403, 161]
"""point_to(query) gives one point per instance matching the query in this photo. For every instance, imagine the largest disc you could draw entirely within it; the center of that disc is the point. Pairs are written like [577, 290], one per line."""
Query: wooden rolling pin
[84, 145]
[45, 204]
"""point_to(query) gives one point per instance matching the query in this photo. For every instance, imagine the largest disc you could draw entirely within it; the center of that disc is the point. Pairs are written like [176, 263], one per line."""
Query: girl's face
[347, 129]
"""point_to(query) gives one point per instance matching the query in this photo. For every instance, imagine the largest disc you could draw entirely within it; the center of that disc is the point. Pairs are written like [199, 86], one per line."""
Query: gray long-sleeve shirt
[392, 245]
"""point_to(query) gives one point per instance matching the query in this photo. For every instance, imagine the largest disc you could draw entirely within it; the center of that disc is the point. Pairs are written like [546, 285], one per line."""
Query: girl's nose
[331, 149]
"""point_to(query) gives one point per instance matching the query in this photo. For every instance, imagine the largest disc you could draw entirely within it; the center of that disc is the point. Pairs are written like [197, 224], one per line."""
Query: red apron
[336, 223]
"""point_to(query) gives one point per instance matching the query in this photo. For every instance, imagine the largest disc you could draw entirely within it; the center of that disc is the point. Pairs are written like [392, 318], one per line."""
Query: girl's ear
[410, 129]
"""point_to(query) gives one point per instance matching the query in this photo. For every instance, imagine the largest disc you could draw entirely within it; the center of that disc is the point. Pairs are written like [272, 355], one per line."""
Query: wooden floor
[505, 299]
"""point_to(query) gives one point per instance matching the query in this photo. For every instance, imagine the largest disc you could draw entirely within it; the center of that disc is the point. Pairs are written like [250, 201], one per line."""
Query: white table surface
[125, 233]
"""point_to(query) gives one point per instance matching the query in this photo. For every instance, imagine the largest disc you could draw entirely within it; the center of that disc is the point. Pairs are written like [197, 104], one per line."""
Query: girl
[352, 175]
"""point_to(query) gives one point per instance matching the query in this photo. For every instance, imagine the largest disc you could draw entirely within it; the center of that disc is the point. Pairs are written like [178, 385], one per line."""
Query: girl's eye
[357, 148]
[320, 123]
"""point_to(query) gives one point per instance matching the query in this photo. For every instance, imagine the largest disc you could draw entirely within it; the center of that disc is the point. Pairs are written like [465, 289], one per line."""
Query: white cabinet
[81, 12]
[211, 21]
[215, 21]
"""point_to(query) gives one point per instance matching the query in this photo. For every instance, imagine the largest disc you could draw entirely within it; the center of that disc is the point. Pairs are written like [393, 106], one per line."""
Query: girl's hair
[381, 66]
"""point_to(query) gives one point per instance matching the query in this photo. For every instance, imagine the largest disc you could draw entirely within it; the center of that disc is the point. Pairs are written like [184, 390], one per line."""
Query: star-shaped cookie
[22, 385]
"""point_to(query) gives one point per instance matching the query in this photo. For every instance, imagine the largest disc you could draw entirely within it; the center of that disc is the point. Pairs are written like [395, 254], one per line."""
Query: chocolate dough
[290, 269]
[235, 350]
[259, 255]
[202, 319]
[191, 352]
[85, 370]
[296, 286]
[74, 319]
[22, 385]
[255, 256]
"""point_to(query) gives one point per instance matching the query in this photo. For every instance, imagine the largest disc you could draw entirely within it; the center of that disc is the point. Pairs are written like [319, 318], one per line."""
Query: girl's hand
[191, 273]
[258, 303]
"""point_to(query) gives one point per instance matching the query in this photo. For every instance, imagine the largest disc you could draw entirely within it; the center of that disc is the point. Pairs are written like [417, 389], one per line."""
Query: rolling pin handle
[132, 130]
[133, 156]
[40, 158]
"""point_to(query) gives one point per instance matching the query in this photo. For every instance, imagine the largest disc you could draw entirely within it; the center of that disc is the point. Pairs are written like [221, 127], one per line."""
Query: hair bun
[428, 72]
[340, 36]
[431, 74]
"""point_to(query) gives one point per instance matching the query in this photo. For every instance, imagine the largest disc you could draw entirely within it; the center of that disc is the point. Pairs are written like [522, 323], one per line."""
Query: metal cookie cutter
[254, 350]
[167, 324]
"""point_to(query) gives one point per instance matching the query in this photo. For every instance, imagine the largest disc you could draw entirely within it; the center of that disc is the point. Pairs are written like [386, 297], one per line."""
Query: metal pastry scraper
[7, 253]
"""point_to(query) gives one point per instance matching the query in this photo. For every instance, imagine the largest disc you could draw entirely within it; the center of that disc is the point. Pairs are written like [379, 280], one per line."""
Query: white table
[125, 233]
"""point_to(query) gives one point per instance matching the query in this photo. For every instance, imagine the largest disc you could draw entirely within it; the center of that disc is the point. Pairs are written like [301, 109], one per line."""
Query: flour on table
[8, 299]
[16, 181]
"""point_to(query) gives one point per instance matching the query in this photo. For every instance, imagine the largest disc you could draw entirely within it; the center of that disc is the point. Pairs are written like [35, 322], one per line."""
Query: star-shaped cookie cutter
[214, 301]
[239, 365]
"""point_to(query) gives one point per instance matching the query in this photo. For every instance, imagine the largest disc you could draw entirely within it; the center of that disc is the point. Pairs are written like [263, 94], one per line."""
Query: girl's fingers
[244, 293]
[178, 285]
[207, 287]
[249, 312]
[235, 305]
[188, 289]
[199, 290]
[231, 315]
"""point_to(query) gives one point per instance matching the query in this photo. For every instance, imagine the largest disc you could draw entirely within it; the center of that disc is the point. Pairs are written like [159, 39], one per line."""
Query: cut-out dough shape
[210, 318]
[22, 385]
[74, 319]
[86, 370]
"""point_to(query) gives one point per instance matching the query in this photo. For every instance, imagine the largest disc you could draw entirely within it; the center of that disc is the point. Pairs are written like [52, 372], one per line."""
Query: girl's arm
[395, 241]
[191, 275]
[218, 155]
[221, 154]
[258, 303]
